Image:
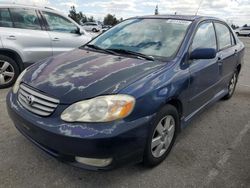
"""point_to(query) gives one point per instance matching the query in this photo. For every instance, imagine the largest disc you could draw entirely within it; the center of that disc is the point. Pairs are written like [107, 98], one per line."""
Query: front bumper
[122, 141]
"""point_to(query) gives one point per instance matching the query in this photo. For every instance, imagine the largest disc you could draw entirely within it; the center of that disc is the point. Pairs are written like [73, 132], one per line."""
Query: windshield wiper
[140, 55]
[101, 49]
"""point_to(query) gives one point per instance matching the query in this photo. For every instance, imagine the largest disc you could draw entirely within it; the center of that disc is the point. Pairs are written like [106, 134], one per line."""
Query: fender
[13, 54]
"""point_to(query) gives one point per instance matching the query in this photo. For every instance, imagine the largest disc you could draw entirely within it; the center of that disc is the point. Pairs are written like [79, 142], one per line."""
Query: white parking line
[244, 85]
[224, 158]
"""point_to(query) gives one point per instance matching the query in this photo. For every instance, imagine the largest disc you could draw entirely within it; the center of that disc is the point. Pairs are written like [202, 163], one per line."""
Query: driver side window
[58, 23]
[204, 37]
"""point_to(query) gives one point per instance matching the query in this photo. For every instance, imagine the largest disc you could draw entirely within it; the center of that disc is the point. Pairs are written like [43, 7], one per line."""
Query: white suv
[92, 26]
[243, 31]
[29, 34]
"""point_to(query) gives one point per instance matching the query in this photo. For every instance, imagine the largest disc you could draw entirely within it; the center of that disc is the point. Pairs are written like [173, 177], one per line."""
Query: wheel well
[14, 56]
[239, 68]
[177, 104]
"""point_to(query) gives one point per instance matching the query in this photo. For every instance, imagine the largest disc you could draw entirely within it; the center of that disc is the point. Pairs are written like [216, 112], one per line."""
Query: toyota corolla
[125, 96]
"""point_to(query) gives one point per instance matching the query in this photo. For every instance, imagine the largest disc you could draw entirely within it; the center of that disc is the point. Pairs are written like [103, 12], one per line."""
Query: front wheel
[8, 71]
[162, 136]
[231, 86]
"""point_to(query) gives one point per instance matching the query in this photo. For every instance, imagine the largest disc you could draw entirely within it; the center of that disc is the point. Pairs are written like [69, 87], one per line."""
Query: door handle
[220, 60]
[11, 37]
[56, 39]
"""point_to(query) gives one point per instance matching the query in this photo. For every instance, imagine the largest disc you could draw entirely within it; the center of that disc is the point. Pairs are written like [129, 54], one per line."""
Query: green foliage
[79, 17]
[110, 19]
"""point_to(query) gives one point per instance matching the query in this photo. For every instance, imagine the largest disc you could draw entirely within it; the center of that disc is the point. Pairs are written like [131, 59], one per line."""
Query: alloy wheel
[232, 84]
[163, 135]
[7, 72]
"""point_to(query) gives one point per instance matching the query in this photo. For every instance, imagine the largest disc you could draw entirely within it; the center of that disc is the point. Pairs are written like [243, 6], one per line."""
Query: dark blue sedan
[125, 96]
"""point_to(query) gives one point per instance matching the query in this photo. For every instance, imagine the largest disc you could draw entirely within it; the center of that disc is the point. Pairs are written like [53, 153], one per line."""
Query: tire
[153, 155]
[237, 34]
[94, 30]
[9, 71]
[231, 86]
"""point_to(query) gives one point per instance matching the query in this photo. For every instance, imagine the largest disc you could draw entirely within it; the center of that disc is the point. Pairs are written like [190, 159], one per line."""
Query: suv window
[59, 24]
[246, 29]
[204, 37]
[224, 36]
[25, 18]
[5, 19]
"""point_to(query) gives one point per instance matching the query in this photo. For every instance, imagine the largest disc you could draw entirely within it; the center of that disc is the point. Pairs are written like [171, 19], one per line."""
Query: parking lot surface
[213, 151]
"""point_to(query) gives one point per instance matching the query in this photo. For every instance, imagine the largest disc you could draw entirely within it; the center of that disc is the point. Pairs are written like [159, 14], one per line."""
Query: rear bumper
[124, 142]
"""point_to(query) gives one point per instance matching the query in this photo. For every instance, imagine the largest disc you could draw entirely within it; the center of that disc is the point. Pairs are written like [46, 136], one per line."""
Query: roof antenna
[199, 7]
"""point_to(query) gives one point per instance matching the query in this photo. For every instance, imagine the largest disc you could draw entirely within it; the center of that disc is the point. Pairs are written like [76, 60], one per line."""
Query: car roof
[14, 5]
[180, 17]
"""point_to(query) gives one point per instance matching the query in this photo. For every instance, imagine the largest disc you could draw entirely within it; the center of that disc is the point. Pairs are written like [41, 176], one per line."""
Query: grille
[36, 102]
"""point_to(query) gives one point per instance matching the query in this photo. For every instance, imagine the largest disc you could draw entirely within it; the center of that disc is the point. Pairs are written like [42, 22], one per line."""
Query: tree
[234, 26]
[156, 10]
[244, 25]
[110, 20]
[73, 14]
[91, 19]
[79, 17]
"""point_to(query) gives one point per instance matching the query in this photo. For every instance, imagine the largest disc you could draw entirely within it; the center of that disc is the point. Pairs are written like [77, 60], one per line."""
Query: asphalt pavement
[213, 151]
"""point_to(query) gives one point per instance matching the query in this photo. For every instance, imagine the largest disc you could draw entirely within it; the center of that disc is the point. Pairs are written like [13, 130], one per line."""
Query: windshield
[152, 37]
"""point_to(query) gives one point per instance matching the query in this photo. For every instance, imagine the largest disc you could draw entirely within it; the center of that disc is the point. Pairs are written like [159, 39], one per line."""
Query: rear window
[5, 19]
[25, 18]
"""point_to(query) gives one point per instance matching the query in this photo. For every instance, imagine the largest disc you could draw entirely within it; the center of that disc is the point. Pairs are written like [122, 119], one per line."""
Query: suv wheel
[162, 136]
[8, 71]
[231, 86]
[94, 30]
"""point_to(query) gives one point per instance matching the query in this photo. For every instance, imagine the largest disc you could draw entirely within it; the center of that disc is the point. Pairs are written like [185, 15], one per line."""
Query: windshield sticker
[182, 22]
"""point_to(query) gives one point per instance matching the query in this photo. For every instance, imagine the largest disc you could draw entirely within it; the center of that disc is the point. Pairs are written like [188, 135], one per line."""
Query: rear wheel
[162, 136]
[8, 71]
[94, 30]
[231, 86]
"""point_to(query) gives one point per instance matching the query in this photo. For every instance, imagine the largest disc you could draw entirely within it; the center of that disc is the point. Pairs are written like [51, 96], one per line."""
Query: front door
[23, 33]
[204, 74]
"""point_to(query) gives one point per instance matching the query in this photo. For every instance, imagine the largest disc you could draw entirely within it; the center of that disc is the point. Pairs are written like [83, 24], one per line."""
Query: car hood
[82, 74]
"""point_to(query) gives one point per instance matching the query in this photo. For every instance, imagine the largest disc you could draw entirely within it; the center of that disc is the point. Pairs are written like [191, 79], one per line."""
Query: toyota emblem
[30, 99]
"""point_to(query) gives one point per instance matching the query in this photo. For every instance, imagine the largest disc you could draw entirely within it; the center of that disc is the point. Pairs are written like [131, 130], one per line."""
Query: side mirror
[80, 31]
[203, 53]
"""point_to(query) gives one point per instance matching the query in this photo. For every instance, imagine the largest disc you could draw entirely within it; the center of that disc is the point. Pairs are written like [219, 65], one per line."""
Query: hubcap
[6, 72]
[232, 84]
[163, 136]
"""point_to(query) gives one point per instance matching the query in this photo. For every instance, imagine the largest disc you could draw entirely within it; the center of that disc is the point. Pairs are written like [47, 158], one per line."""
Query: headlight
[18, 81]
[100, 109]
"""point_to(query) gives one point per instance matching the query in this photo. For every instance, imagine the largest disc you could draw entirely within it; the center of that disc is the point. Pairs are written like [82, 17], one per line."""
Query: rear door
[22, 32]
[227, 54]
[204, 73]
[63, 33]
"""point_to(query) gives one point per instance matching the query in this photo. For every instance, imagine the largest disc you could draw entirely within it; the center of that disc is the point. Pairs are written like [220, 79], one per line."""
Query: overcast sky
[236, 11]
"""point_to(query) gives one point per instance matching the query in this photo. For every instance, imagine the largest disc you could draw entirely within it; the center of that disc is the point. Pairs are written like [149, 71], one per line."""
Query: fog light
[94, 162]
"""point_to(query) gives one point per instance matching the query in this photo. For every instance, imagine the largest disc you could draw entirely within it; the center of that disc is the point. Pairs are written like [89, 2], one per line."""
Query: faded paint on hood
[82, 74]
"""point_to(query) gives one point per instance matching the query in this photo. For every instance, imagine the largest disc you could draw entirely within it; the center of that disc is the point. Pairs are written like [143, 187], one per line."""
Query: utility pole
[156, 10]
